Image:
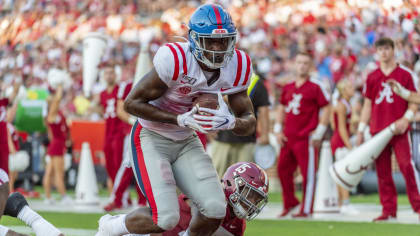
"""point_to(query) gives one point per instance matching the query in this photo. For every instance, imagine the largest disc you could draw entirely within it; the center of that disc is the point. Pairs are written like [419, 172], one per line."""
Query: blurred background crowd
[36, 35]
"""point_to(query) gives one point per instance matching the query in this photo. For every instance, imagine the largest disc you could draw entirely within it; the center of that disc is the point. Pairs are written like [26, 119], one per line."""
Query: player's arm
[263, 122]
[364, 119]
[55, 104]
[149, 88]
[342, 130]
[241, 105]
[16, 87]
[408, 95]
[278, 125]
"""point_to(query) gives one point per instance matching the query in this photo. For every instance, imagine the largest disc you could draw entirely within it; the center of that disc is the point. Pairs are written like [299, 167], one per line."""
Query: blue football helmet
[209, 22]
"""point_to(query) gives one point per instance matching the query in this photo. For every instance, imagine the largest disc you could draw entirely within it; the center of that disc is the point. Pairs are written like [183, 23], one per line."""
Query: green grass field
[259, 227]
[256, 227]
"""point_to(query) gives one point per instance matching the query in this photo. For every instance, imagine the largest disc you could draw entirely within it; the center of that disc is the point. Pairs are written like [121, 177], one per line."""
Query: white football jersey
[180, 71]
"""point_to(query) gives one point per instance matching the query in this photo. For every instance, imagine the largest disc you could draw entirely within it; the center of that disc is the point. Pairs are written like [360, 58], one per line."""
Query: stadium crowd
[36, 35]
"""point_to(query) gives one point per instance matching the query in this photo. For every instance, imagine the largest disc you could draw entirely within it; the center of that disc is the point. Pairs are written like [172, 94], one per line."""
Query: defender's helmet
[246, 187]
[207, 23]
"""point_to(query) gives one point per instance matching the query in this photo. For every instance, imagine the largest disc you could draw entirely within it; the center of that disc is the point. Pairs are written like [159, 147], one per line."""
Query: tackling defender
[166, 152]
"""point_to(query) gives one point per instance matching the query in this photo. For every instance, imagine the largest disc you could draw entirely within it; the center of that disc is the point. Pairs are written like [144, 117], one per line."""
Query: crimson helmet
[246, 187]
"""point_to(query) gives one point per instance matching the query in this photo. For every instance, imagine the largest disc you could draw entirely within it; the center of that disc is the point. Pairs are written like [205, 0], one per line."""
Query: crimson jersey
[231, 223]
[123, 92]
[302, 105]
[3, 127]
[109, 104]
[387, 107]
[336, 140]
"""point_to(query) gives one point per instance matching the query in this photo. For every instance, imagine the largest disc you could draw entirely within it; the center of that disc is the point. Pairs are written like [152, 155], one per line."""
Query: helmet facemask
[247, 201]
[211, 58]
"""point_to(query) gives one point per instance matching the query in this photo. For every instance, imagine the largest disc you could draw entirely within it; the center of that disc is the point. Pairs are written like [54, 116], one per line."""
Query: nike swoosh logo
[224, 89]
[226, 121]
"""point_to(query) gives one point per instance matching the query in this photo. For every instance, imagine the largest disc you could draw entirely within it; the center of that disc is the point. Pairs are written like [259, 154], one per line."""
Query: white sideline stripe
[65, 231]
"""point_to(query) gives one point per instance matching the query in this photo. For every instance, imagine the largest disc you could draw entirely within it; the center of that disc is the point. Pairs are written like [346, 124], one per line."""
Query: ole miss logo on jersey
[185, 89]
[294, 104]
[385, 94]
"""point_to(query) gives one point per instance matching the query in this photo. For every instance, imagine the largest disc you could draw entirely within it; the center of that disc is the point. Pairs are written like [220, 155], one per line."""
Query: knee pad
[14, 204]
[168, 220]
[214, 209]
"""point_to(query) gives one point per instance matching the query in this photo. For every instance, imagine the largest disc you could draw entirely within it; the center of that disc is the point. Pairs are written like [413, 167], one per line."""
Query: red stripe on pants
[144, 174]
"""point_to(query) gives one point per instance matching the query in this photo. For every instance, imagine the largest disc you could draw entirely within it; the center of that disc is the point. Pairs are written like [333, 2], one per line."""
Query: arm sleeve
[164, 64]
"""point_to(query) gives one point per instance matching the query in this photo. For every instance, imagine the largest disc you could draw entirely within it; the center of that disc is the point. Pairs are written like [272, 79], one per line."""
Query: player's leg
[286, 167]
[118, 155]
[307, 159]
[402, 149]
[220, 154]
[197, 179]
[58, 166]
[387, 190]
[152, 168]
[47, 180]
[16, 206]
[12, 179]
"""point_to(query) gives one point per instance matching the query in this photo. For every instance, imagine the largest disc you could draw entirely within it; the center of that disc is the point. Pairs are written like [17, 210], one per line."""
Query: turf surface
[256, 227]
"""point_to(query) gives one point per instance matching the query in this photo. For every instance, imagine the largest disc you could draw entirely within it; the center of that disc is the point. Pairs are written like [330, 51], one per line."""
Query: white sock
[28, 216]
[3, 230]
[118, 225]
[37, 223]
[186, 233]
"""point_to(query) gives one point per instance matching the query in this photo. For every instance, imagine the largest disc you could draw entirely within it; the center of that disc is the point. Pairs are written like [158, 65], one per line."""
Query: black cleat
[14, 204]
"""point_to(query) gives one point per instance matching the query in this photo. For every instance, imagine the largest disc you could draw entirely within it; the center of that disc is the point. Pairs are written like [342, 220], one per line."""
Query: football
[207, 100]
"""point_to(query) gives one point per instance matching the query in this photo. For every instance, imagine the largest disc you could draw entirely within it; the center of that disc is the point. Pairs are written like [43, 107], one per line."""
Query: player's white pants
[161, 164]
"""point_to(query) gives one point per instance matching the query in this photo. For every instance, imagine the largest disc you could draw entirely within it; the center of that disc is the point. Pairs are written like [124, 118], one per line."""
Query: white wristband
[319, 131]
[132, 120]
[409, 115]
[277, 128]
[361, 128]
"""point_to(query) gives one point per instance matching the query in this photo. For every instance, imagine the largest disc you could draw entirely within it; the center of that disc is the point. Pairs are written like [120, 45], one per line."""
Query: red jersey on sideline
[109, 104]
[387, 107]
[302, 106]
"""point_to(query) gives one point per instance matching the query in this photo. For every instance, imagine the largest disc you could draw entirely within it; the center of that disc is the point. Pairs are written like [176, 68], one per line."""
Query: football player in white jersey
[166, 151]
